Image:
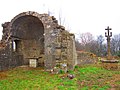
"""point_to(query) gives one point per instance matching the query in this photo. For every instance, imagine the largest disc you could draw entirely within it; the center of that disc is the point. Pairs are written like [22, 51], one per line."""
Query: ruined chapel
[33, 36]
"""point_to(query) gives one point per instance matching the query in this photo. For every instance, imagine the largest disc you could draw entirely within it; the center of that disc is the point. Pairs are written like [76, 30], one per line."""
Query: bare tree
[100, 49]
[86, 38]
[78, 45]
[89, 44]
[61, 18]
[115, 44]
[93, 46]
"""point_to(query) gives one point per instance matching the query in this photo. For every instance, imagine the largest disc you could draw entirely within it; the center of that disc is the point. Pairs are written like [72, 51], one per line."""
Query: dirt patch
[113, 84]
[3, 75]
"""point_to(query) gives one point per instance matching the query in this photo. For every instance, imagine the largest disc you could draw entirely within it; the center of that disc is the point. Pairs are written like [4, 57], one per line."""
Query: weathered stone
[110, 64]
[70, 76]
[37, 36]
[33, 63]
[86, 58]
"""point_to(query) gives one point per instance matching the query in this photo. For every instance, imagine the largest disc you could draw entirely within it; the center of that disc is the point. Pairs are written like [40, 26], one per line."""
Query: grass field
[89, 77]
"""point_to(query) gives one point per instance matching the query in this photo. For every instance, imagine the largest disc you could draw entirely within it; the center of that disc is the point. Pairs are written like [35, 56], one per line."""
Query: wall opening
[30, 32]
[14, 46]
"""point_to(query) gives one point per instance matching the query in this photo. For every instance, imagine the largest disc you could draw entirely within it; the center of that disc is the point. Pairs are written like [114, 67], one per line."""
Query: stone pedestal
[33, 62]
[110, 64]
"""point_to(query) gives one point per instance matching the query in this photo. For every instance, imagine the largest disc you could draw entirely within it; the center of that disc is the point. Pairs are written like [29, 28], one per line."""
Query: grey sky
[80, 15]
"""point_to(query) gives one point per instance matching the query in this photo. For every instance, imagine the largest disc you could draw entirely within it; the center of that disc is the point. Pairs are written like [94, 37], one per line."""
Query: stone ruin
[37, 37]
[86, 58]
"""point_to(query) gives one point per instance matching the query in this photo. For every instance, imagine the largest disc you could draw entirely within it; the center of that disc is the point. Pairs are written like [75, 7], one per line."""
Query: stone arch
[31, 13]
[38, 37]
[27, 31]
[27, 20]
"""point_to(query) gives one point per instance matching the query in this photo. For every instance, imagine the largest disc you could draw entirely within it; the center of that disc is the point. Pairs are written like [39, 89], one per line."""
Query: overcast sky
[80, 15]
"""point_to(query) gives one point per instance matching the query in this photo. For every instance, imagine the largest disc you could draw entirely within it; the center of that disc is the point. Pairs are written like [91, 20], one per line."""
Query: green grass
[87, 77]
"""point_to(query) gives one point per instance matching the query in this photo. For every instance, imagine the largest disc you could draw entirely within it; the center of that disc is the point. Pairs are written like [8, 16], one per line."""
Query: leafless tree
[86, 38]
[101, 50]
[78, 45]
[89, 44]
[61, 18]
[115, 44]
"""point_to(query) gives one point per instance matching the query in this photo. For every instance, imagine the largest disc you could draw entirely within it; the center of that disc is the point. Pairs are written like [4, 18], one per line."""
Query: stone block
[110, 64]
[58, 45]
[64, 45]
[33, 63]
[57, 57]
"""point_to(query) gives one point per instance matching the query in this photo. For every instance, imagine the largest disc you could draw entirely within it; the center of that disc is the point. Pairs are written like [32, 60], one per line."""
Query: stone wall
[30, 35]
[61, 50]
[8, 59]
[86, 58]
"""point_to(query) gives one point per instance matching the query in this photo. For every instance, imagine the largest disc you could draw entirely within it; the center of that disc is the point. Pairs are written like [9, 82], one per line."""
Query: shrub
[61, 72]
[76, 67]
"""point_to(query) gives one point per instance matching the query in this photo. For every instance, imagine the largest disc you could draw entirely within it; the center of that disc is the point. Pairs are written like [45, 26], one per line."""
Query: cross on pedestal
[108, 34]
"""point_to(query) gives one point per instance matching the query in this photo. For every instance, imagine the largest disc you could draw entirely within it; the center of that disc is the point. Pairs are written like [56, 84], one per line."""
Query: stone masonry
[31, 35]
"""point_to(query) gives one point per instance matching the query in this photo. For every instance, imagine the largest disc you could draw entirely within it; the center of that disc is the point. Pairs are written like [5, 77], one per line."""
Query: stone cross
[108, 34]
